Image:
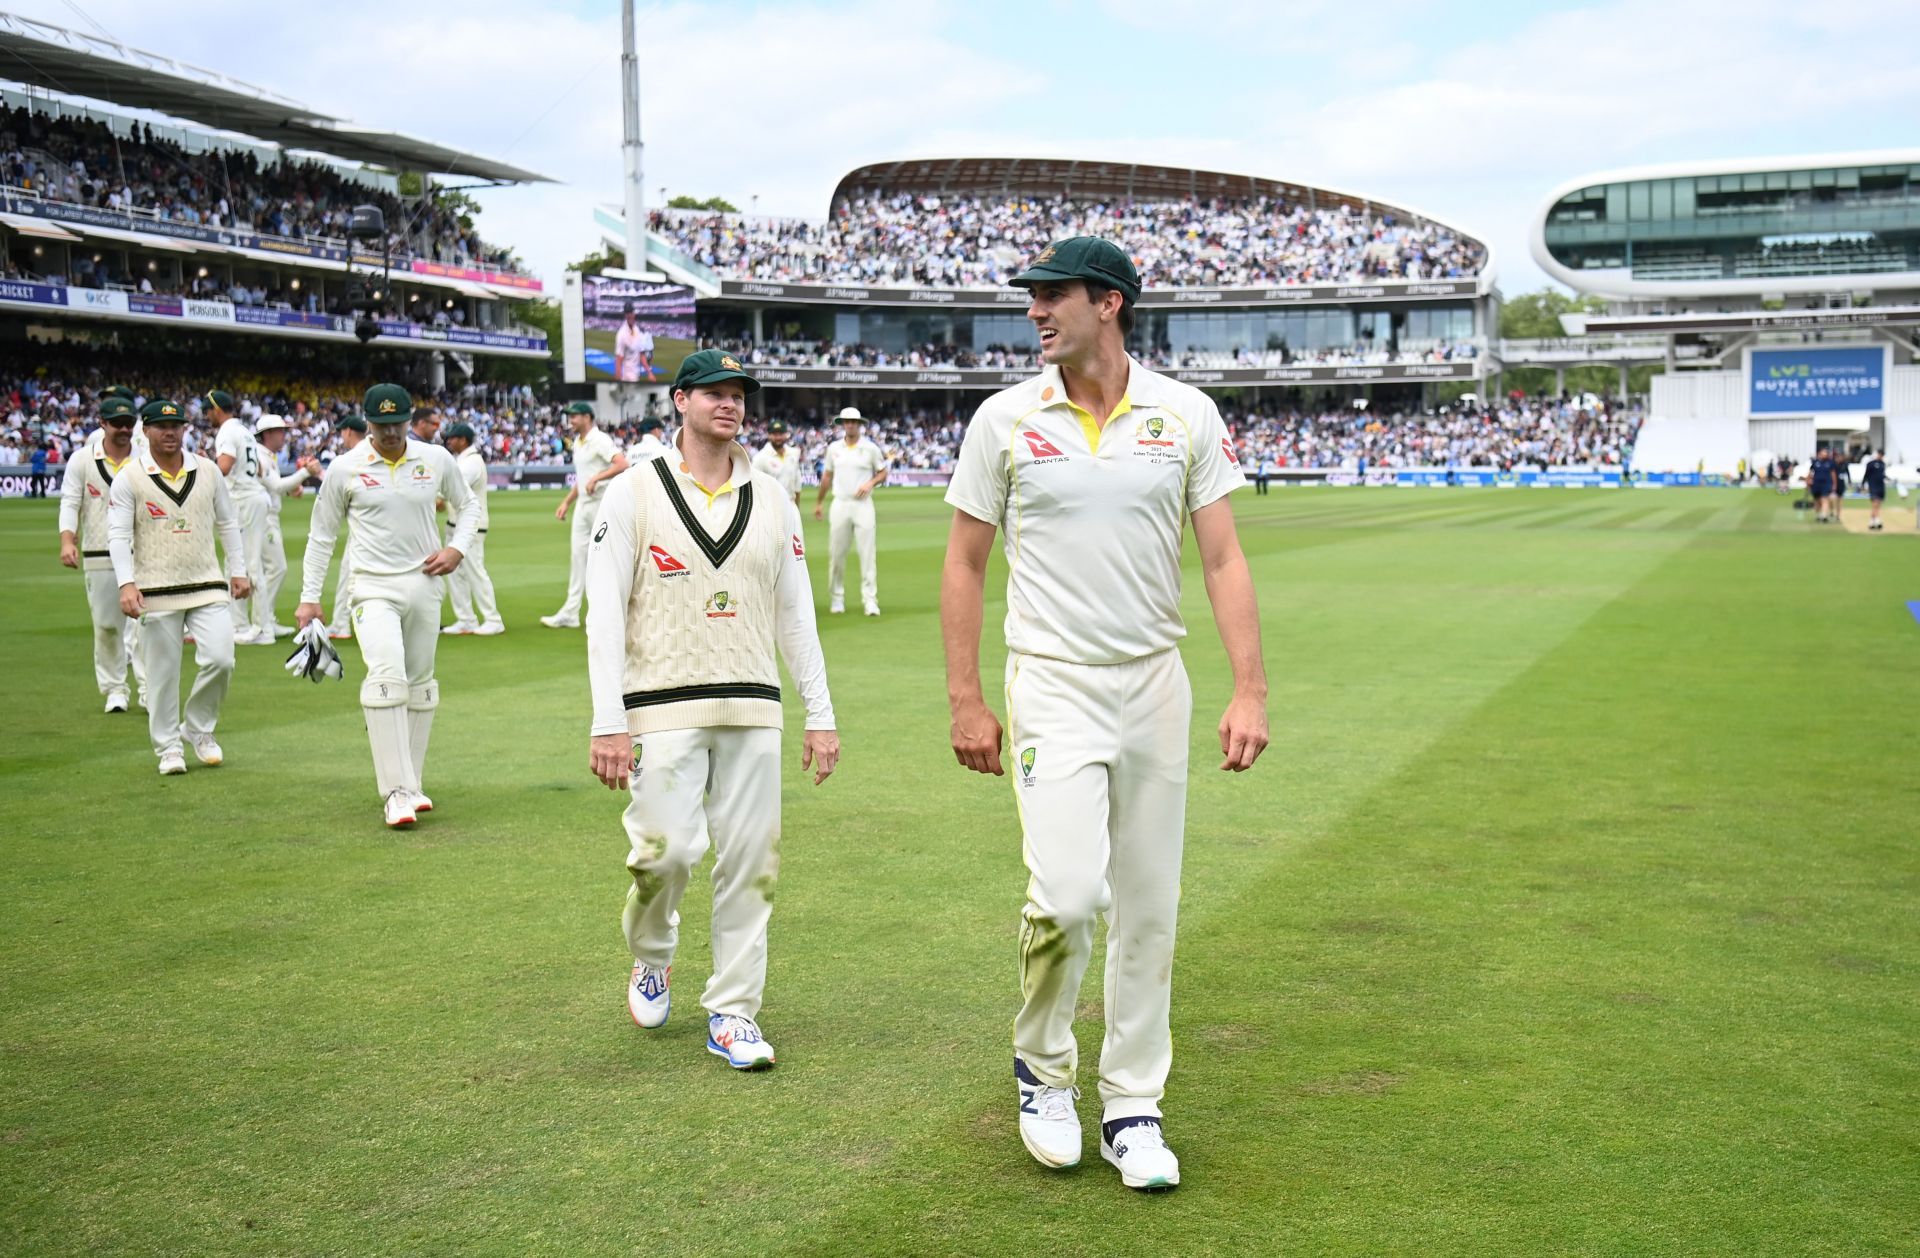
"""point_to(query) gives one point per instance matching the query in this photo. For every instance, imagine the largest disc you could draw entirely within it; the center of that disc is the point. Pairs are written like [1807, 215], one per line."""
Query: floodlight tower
[630, 145]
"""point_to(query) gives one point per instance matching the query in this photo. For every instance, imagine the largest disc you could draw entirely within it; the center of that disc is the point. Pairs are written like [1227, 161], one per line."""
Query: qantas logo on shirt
[1040, 446]
[156, 512]
[667, 564]
[370, 480]
[94, 490]
[799, 551]
[1226, 444]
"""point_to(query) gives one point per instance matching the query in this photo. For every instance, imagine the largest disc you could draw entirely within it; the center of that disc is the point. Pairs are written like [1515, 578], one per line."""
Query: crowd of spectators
[80, 160]
[933, 357]
[54, 410]
[982, 241]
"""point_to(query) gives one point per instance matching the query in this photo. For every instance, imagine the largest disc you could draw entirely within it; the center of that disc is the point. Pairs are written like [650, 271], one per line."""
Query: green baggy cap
[1082, 258]
[711, 366]
[387, 404]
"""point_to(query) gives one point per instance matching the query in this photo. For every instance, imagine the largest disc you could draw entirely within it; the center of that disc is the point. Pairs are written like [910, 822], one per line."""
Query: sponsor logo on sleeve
[799, 550]
[1226, 444]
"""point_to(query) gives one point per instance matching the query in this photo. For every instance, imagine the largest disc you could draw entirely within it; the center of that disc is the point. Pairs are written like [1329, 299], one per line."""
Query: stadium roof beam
[77, 64]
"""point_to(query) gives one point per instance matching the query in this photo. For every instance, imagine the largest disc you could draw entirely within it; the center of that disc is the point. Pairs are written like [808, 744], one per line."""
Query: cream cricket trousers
[273, 574]
[585, 512]
[471, 588]
[161, 638]
[1100, 780]
[396, 622]
[252, 510]
[342, 582]
[115, 638]
[692, 787]
[850, 522]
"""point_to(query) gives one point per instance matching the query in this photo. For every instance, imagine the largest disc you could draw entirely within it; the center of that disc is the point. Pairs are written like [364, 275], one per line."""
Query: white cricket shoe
[116, 701]
[341, 633]
[283, 631]
[207, 751]
[738, 1040]
[491, 628]
[1137, 1147]
[421, 803]
[399, 809]
[557, 621]
[1049, 1127]
[171, 763]
[873, 609]
[835, 609]
[460, 627]
[249, 637]
[647, 997]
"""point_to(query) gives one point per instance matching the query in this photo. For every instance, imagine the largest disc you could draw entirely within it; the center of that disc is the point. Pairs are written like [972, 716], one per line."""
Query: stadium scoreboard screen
[634, 331]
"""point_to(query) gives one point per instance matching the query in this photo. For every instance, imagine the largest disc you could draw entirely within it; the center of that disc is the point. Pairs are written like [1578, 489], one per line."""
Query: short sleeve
[979, 484]
[227, 441]
[1215, 471]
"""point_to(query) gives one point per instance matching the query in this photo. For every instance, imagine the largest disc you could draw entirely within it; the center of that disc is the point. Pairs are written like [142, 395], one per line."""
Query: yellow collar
[1092, 428]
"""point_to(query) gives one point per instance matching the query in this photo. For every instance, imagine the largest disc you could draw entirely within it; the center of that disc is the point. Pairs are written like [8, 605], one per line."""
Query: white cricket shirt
[853, 466]
[236, 439]
[592, 455]
[1091, 518]
[473, 471]
[782, 465]
[648, 447]
[390, 506]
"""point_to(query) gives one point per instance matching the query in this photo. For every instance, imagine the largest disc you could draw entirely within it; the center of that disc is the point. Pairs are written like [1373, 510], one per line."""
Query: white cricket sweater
[161, 529]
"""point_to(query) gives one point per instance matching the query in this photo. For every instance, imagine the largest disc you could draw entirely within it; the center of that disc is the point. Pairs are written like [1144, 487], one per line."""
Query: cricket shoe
[399, 808]
[835, 609]
[647, 997]
[172, 763]
[340, 634]
[207, 751]
[1138, 1149]
[873, 609]
[738, 1040]
[491, 628]
[421, 803]
[461, 627]
[116, 701]
[558, 621]
[283, 631]
[247, 637]
[1049, 1127]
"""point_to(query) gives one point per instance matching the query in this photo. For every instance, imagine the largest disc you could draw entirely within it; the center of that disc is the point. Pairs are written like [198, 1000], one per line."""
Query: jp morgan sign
[1205, 377]
[981, 298]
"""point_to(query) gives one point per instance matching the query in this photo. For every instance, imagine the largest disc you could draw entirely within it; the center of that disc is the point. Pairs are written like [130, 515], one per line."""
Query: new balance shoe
[647, 997]
[399, 809]
[207, 751]
[1138, 1148]
[557, 621]
[461, 627]
[171, 763]
[738, 1040]
[490, 628]
[116, 701]
[1049, 1126]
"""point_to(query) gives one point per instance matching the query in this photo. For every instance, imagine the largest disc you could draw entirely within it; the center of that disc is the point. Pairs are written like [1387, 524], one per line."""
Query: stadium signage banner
[141, 308]
[1286, 295]
[915, 378]
[1815, 380]
[89, 216]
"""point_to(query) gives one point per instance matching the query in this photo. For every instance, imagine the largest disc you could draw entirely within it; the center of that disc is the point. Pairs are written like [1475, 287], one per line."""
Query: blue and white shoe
[1139, 1149]
[647, 998]
[739, 1041]
[1049, 1127]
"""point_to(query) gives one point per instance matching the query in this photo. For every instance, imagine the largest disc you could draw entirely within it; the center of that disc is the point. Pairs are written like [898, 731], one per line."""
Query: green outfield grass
[1572, 910]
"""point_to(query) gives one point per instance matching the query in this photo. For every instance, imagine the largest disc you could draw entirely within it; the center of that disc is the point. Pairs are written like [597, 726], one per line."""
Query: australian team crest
[1155, 425]
[722, 606]
[1026, 764]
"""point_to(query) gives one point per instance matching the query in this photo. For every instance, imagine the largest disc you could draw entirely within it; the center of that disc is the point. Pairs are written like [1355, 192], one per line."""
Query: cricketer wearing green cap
[83, 544]
[780, 460]
[241, 460]
[698, 588]
[596, 460]
[164, 512]
[470, 588]
[1096, 446]
[386, 488]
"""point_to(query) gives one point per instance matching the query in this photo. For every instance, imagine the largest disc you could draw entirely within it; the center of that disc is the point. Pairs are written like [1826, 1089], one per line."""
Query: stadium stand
[965, 241]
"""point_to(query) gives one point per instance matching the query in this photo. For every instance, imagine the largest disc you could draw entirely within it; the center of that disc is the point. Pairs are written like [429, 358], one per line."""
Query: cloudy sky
[1469, 112]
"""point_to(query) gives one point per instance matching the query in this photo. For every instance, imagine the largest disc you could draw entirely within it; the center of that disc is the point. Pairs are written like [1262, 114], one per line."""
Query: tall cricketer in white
[595, 462]
[83, 544]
